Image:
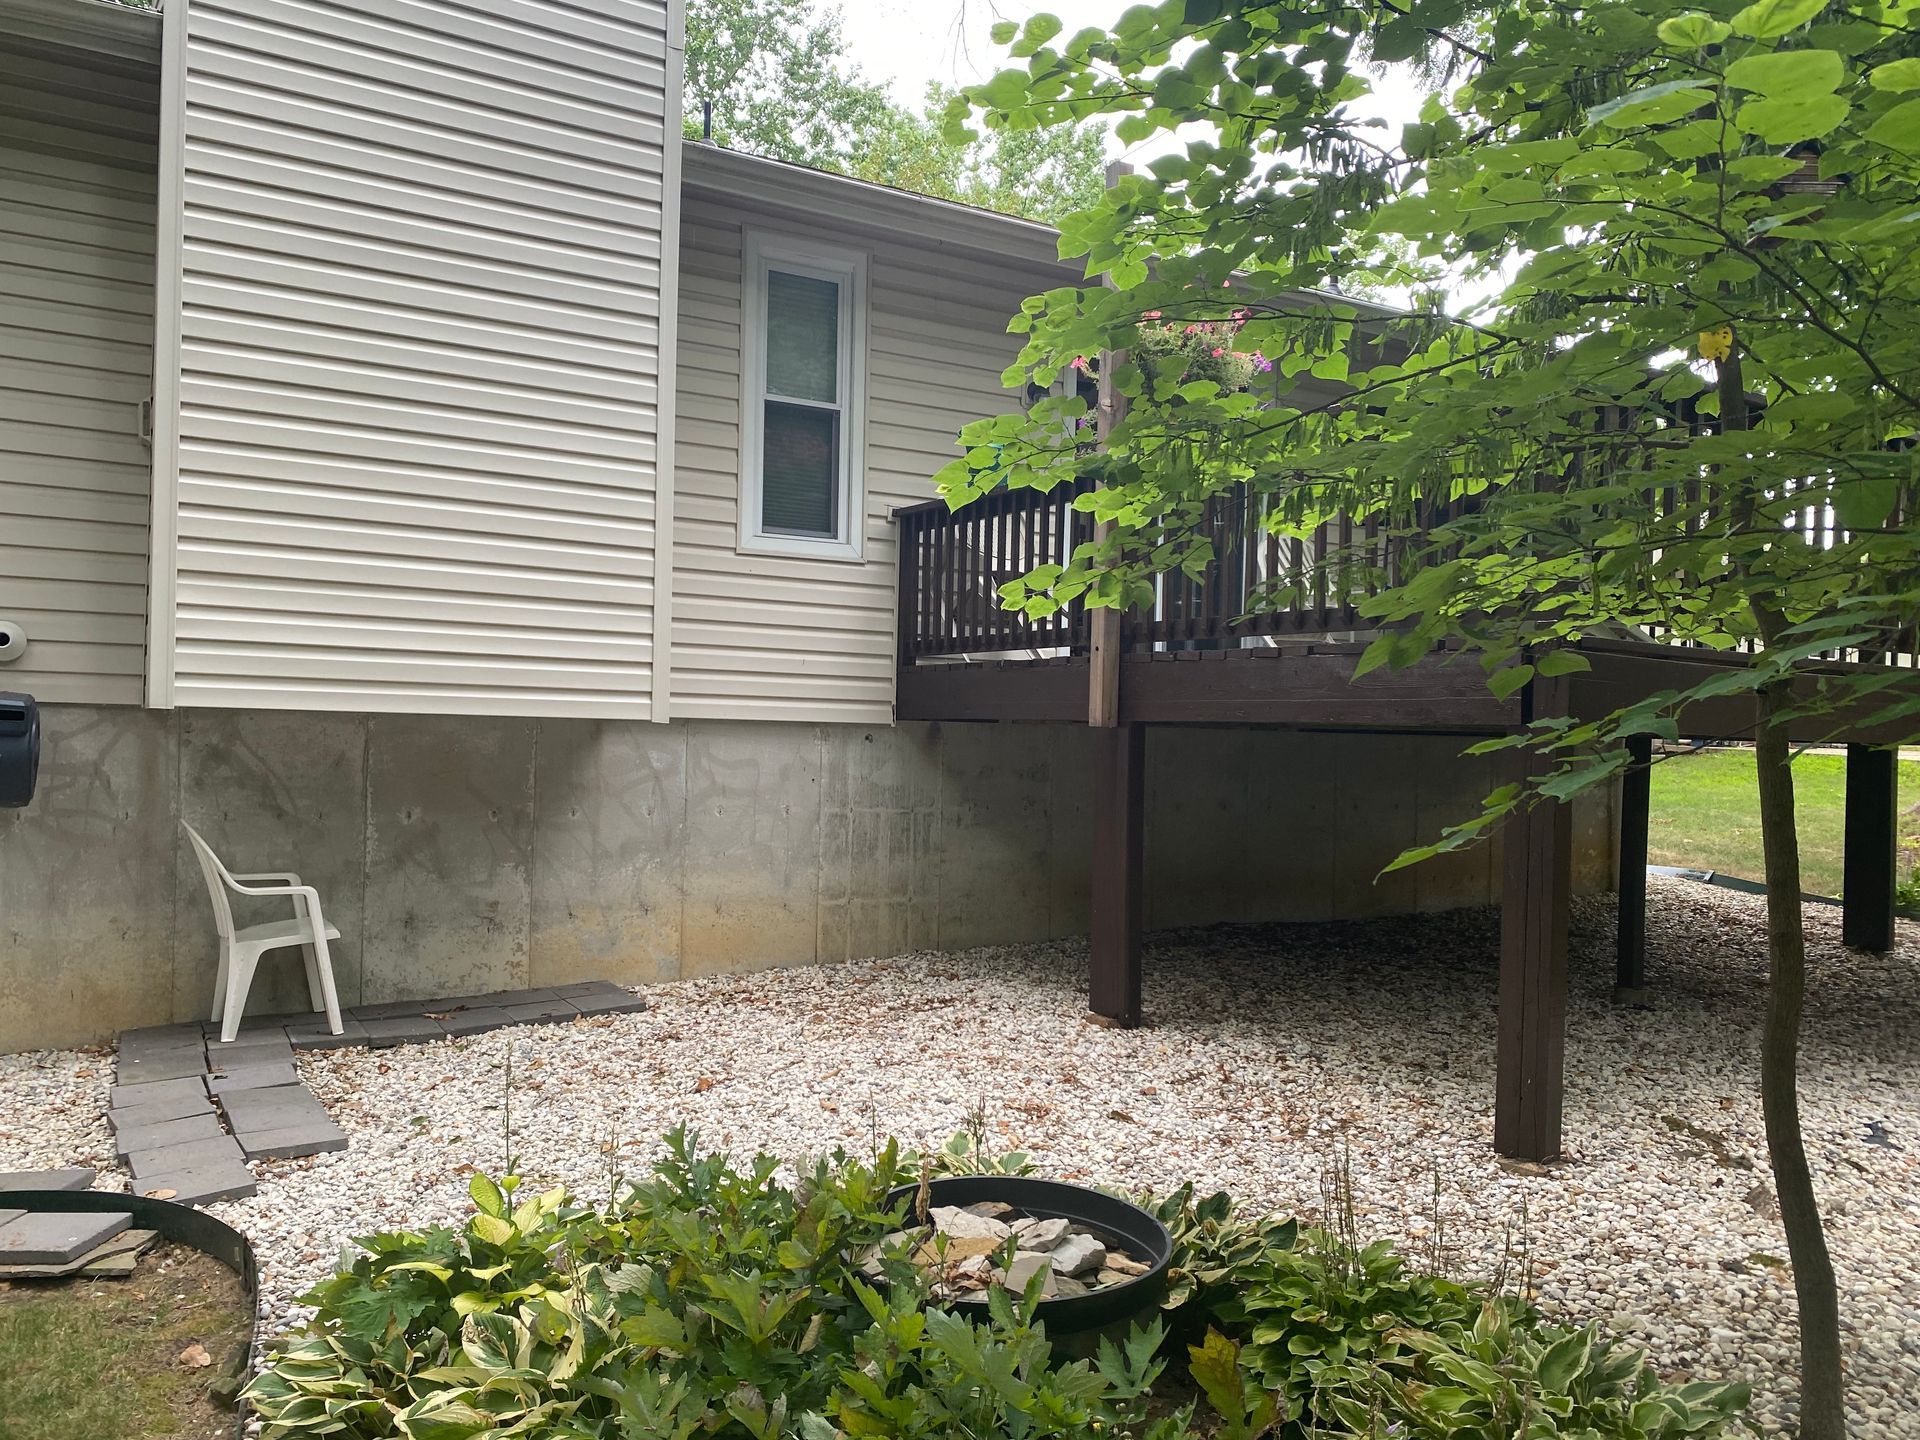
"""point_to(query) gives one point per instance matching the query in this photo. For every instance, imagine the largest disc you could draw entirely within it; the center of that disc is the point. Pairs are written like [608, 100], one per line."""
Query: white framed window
[803, 388]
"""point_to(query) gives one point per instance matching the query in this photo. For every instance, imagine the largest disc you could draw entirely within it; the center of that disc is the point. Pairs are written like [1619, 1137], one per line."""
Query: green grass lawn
[1706, 815]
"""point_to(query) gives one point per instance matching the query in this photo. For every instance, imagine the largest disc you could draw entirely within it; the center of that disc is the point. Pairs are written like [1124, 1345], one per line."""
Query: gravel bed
[1273, 1054]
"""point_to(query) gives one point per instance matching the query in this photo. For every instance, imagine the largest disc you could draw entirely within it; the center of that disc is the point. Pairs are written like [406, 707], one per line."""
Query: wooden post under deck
[1636, 803]
[1868, 865]
[1119, 825]
[1536, 901]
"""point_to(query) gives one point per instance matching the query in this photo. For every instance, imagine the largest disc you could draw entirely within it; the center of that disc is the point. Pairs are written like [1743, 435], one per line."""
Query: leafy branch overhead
[1656, 200]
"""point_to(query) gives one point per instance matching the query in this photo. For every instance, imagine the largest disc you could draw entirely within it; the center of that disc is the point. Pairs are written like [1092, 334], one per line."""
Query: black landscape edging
[1754, 887]
[181, 1224]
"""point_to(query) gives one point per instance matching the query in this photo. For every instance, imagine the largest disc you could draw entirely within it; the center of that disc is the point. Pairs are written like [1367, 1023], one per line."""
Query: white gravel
[1270, 1054]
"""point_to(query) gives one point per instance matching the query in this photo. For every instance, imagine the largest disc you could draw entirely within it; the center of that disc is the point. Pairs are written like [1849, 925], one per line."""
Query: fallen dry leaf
[162, 1194]
[703, 1084]
[195, 1357]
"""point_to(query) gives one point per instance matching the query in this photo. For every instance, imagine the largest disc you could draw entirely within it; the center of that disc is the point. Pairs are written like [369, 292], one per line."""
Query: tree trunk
[1823, 1406]
[1822, 1398]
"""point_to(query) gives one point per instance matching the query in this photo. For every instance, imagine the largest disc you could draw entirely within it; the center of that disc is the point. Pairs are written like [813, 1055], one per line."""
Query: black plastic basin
[1136, 1232]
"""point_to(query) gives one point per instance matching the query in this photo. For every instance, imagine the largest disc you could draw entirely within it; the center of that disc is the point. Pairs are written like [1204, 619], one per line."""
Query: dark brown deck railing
[1256, 584]
[953, 563]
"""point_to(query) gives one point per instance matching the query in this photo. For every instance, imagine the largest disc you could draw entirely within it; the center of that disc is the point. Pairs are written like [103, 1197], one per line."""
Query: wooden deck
[1200, 658]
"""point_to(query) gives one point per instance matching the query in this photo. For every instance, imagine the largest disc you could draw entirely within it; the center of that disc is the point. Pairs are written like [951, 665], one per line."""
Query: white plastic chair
[240, 950]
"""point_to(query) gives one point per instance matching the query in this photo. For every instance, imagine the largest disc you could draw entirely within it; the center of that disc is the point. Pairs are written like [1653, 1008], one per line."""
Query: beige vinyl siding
[420, 281]
[76, 359]
[798, 638]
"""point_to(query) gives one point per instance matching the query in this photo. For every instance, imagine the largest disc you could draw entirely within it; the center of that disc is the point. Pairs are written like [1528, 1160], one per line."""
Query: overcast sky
[913, 43]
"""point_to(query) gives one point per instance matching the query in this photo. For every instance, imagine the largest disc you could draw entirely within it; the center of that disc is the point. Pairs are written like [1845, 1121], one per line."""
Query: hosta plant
[1503, 1380]
[1315, 1310]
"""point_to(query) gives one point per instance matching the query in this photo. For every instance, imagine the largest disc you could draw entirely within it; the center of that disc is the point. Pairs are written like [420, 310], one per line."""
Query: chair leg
[323, 962]
[315, 995]
[220, 976]
[239, 981]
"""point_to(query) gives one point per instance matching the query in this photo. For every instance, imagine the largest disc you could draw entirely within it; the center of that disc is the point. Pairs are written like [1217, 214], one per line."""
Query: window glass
[803, 337]
[800, 470]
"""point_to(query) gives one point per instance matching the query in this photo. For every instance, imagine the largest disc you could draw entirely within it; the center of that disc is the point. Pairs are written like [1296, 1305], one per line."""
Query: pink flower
[1151, 315]
[1079, 362]
[1218, 352]
[1193, 329]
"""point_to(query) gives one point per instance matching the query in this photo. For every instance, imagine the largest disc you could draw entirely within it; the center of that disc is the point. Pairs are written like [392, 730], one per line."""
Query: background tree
[1689, 405]
[778, 77]
[1043, 174]
[782, 84]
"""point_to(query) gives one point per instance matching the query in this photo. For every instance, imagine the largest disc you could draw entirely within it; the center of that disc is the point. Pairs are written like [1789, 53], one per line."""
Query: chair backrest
[217, 879]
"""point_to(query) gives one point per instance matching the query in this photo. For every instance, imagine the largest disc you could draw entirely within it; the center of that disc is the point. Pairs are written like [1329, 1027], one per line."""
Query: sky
[913, 43]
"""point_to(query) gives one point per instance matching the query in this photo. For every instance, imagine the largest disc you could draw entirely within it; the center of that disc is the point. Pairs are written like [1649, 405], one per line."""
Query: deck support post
[1535, 906]
[1869, 861]
[1636, 804]
[1119, 826]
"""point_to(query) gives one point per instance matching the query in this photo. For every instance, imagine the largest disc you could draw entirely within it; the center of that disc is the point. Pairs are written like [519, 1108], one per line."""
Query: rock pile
[967, 1250]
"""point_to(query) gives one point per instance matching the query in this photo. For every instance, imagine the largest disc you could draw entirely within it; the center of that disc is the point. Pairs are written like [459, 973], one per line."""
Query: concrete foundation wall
[462, 854]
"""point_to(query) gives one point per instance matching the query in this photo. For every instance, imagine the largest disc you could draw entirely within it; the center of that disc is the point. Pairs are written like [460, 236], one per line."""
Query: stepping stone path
[177, 1083]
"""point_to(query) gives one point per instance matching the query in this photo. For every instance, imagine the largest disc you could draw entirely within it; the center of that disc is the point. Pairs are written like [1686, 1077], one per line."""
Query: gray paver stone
[202, 1187]
[316, 1036]
[167, 1132]
[390, 1009]
[6, 1215]
[78, 1177]
[476, 1021]
[130, 1115]
[543, 1012]
[157, 1092]
[588, 987]
[252, 1077]
[162, 1065]
[402, 1030]
[237, 1055]
[621, 1004]
[270, 1109]
[516, 997]
[190, 1155]
[291, 1141]
[55, 1237]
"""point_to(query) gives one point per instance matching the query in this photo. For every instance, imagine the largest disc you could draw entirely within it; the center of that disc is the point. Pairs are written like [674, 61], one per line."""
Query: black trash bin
[19, 749]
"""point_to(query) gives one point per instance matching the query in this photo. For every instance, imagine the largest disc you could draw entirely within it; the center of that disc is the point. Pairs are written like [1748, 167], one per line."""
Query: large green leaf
[1692, 31]
[1652, 104]
[1899, 128]
[1788, 74]
[1769, 19]
[1783, 122]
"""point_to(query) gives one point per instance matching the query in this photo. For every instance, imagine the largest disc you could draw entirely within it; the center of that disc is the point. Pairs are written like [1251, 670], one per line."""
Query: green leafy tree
[1688, 407]
[1043, 174]
[782, 84]
[777, 75]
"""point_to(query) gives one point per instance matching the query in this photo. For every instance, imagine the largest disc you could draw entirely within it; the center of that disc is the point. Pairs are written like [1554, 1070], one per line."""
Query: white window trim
[849, 269]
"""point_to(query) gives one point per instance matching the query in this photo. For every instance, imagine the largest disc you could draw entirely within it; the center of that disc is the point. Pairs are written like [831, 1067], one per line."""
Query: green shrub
[712, 1300]
[1217, 1251]
[1507, 1377]
[1312, 1313]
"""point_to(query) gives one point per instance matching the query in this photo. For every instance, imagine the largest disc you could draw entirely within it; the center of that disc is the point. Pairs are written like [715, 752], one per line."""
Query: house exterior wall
[808, 639]
[461, 854]
[416, 360]
[76, 361]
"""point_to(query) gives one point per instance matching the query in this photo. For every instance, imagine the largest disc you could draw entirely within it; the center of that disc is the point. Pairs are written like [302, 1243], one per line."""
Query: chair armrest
[286, 875]
[239, 889]
[306, 900]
